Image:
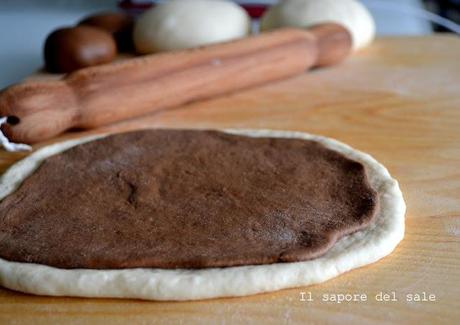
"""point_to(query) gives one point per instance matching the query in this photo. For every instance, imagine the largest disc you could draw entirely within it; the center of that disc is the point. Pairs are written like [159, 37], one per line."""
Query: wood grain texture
[398, 100]
[99, 95]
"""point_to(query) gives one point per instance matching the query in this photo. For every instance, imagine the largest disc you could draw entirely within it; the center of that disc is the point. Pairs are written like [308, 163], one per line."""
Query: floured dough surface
[360, 248]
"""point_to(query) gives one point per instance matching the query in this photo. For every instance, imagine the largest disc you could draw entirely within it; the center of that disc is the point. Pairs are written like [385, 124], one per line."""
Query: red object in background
[255, 10]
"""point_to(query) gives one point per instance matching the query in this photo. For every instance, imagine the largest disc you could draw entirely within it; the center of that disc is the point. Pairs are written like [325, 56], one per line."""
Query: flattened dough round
[360, 248]
[185, 199]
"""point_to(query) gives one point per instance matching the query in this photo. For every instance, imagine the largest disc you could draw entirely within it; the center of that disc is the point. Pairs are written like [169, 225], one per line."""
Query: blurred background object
[449, 9]
[25, 24]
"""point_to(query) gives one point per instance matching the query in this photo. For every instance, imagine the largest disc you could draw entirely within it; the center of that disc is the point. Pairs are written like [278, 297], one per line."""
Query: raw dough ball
[180, 24]
[69, 49]
[118, 24]
[304, 13]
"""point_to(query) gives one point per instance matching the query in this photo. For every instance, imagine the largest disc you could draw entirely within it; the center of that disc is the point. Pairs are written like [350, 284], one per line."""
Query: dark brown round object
[185, 199]
[73, 48]
[118, 24]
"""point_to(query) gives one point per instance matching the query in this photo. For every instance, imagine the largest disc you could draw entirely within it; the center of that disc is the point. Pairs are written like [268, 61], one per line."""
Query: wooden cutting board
[398, 100]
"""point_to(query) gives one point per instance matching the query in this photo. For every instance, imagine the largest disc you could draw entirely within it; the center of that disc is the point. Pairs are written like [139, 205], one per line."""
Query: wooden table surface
[398, 100]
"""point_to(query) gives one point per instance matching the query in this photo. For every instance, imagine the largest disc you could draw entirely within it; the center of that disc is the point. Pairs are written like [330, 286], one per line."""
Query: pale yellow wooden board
[398, 100]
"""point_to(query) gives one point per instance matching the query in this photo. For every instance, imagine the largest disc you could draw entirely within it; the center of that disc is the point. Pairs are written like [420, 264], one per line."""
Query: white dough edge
[352, 251]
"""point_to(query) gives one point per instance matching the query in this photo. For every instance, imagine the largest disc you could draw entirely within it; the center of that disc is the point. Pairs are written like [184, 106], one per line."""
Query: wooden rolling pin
[95, 96]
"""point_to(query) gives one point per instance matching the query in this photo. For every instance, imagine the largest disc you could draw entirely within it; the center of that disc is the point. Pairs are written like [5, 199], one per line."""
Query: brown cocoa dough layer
[185, 199]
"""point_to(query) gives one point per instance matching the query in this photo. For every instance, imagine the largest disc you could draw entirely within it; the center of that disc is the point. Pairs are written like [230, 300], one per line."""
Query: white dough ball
[304, 13]
[180, 24]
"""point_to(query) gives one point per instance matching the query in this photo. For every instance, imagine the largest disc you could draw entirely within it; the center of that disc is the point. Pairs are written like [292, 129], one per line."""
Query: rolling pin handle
[36, 111]
[7, 144]
[334, 43]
